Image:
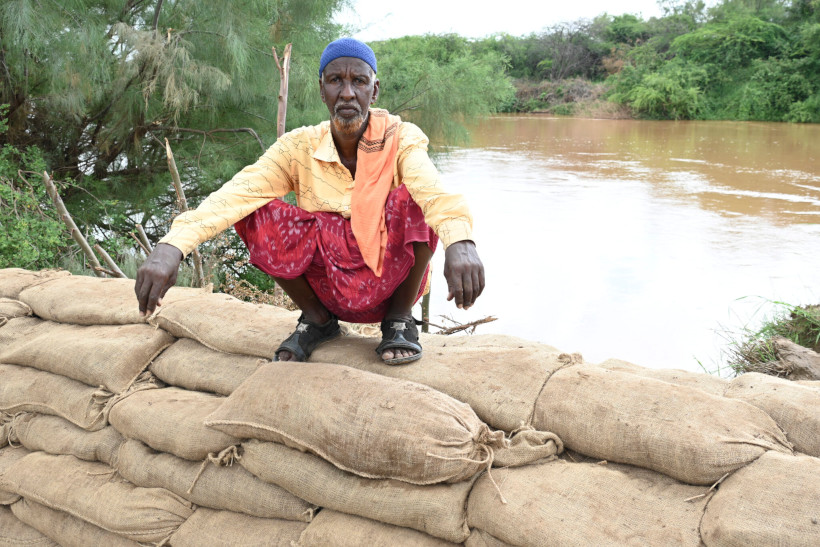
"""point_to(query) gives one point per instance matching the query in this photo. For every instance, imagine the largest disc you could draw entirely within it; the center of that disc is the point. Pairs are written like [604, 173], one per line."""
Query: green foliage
[674, 92]
[31, 235]
[438, 81]
[732, 43]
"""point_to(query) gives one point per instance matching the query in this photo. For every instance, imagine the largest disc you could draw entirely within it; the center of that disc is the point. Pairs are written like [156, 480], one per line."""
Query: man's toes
[285, 355]
[388, 354]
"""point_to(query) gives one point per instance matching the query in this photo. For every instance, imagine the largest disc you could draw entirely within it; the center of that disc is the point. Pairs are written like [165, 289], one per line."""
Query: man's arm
[464, 273]
[253, 187]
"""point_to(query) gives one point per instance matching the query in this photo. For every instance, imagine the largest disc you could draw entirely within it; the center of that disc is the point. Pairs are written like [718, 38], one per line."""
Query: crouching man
[357, 247]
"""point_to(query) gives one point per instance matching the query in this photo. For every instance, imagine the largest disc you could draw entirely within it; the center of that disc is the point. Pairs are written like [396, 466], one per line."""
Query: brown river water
[638, 240]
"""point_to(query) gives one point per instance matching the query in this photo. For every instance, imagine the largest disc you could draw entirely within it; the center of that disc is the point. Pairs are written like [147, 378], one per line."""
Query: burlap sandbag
[8, 456]
[171, 420]
[24, 389]
[342, 530]
[190, 365]
[500, 377]
[109, 356]
[83, 300]
[560, 503]
[705, 382]
[795, 408]
[66, 530]
[226, 529]
[240, 327]
[814, 384]
[14, 532]
[230, 488]
[15, 280]
[435, 509]
[54, 435]
[5, 427]
[480, 538]
[367, 424]
[680, 431]
[89, 491]
[11, 309]
[773, 501]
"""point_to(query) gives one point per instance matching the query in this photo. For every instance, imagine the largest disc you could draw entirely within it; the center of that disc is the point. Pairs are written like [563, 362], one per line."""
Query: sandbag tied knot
[527, 445]
[8, 434]
[225, 458]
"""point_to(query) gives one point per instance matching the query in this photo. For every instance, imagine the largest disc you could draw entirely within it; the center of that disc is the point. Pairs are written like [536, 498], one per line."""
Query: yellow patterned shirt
[306, 161]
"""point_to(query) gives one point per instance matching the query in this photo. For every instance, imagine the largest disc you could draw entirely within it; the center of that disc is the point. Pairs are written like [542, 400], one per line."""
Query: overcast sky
[382, 19]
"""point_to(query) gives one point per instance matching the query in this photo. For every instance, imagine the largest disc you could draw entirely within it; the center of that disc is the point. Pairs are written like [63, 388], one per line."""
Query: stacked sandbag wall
[179, 430]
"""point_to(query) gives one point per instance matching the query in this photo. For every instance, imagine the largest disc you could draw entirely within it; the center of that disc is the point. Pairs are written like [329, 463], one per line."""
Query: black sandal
[400, 334]
[308, 336]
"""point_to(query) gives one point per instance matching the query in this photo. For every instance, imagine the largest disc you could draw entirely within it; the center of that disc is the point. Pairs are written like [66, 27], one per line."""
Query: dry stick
[72, 227]
[109, 261]
[105, 271]
[465, 326]
[199, 277]
[139, 243]
[281, 114]
[144, 239]
[284, 73]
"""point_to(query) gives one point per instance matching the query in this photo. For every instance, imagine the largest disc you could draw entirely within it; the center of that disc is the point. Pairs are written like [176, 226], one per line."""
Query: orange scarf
[375, 167]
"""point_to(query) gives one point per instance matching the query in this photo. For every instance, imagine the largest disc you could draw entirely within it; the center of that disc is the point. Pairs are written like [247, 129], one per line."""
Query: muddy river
[644, 241]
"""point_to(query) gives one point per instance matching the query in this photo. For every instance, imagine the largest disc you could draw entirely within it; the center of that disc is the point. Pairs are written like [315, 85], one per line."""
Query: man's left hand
[464, 273]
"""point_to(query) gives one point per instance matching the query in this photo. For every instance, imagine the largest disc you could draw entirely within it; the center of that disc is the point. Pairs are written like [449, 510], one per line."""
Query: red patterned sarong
[286, 241]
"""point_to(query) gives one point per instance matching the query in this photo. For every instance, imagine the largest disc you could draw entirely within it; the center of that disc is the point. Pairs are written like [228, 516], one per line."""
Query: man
[370, 212]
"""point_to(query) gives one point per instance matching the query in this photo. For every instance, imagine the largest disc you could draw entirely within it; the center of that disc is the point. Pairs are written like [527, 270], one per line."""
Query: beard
[347, 126]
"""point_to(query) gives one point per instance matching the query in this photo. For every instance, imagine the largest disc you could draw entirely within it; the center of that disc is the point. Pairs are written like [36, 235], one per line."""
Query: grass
[752, 350]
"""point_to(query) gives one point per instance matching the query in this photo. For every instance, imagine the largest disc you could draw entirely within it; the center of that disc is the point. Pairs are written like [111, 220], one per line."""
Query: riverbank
[575, 97]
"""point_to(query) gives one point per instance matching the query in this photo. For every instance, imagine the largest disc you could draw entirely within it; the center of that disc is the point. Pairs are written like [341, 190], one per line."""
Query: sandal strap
[399, 334]
[307, 337]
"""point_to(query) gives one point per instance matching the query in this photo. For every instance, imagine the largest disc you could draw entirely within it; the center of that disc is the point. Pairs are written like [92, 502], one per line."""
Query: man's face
[348, 87]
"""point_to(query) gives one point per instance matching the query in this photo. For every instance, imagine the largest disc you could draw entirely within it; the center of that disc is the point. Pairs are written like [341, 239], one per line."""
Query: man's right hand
[157, 274]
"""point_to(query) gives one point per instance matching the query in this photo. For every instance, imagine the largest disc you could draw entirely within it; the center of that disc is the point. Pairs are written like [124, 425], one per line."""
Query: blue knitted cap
[347, 47]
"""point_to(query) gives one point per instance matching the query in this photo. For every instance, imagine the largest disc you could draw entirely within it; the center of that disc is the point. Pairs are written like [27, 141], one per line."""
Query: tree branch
[211, 131]
[183, 206]
[156, 15]
[69, 222]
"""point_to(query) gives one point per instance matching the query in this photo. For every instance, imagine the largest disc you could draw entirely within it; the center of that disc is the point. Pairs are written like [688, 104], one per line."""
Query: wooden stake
[142, 247]
[284, 74]
[109, 261]
[72, 227]
[144, 239]
[199, 277]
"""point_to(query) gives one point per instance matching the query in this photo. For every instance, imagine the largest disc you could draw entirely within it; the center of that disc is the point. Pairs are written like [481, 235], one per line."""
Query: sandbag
[437, 510]
[11, 309]
[109, 356]
[230, 488]
[15, 280]
[480, 538]
[8, 456]
[54, 435]
[680, 431]
[66, 530]
[241, 327]
[5, 428]
[171, 420]
[794, 407]
[370, 425]
[88, 491]
[14, 532]
[560, 503]
[773, 501]
[226, 529]
[83, 300]
[705, 382]
[499, 376]
[341, 530]
[24, 389]
[190, 365]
